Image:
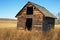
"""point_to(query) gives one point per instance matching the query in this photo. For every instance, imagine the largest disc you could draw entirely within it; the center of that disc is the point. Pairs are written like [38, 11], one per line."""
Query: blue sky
[9, 8]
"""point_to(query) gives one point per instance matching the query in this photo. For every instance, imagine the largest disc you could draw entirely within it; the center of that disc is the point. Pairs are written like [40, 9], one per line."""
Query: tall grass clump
[14, 34]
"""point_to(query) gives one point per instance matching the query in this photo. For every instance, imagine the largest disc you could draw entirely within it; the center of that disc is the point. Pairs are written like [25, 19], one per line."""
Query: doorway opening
[29, 23]
[29, 10]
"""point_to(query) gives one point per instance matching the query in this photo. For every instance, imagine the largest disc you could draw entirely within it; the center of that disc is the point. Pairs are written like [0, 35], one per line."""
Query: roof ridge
[35, 4]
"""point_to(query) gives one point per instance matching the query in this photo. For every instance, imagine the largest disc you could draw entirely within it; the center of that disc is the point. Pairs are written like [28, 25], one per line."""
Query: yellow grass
[14, 34]
[7, 23]
[8, 31]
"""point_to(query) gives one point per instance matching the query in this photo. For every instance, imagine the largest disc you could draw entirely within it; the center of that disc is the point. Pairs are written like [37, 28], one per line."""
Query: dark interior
[29, 23]
[48, 23]
[29, 10]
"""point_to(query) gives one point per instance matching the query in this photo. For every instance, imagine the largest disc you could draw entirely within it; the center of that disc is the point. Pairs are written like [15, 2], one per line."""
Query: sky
[9, 8]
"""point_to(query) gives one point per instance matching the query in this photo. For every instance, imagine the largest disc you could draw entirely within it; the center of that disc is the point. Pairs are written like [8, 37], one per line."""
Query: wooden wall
[21, 19]
[39, 22]
[37, 17]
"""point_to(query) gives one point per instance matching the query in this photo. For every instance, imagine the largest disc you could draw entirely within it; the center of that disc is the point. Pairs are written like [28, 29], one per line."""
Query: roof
[41, 9]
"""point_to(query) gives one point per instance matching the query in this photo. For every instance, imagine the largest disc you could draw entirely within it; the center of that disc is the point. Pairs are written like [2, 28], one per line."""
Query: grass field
[8, 31]
[7, 23]
[14, 34]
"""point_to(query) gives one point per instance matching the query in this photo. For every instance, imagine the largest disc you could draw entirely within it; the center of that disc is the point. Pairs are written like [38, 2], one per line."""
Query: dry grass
[8, 31]
[7, 23]
[14, 34]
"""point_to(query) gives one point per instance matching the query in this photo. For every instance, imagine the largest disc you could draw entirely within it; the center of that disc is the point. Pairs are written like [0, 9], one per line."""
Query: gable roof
[41, 9]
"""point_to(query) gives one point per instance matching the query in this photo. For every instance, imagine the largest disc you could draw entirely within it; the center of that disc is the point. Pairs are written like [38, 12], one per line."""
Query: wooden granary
[33, 16]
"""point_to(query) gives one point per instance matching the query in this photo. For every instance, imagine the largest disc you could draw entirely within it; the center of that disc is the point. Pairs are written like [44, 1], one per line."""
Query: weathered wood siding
[37, 17]
[21, 19]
